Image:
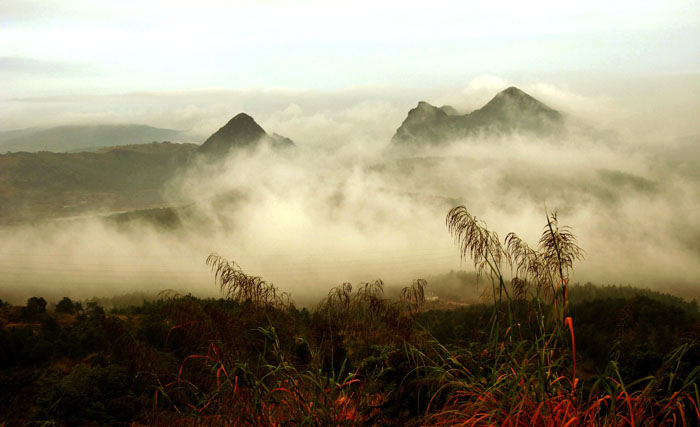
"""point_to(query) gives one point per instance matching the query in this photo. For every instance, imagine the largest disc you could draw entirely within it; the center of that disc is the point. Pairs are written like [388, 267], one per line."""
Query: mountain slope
[511, 110]
[84, 137]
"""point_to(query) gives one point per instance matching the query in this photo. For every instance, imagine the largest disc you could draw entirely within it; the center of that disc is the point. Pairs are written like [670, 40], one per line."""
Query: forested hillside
[35, 186]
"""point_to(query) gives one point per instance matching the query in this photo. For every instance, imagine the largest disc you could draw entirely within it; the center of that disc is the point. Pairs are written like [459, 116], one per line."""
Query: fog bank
[341, 209]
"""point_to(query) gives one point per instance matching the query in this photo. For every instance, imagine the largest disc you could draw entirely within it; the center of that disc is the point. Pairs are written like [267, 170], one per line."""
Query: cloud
[338, 209]
[13, 67]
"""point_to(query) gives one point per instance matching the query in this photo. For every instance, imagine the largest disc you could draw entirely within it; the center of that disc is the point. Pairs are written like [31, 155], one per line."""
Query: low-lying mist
[347, 210]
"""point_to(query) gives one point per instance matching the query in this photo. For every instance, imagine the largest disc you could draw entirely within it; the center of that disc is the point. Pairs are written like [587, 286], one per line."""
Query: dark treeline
[356, 358]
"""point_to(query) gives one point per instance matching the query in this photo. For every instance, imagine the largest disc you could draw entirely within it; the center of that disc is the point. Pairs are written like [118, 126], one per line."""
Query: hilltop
[81, 137]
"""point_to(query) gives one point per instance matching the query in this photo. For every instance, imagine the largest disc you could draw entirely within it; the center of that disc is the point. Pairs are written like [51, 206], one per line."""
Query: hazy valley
[149, 214]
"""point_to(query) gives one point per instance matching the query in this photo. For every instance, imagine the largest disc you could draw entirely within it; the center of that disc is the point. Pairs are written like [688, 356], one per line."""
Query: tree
[65, 306]
[36, 305]
[94, 310]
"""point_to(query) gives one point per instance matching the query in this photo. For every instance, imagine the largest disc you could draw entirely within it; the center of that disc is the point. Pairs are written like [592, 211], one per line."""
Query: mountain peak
[514, 108]
[420, 122]
[241, 118]
[511, 110]
[242, 122]
[240, 132]
[513, 98]
[513, 92]
[425, 111]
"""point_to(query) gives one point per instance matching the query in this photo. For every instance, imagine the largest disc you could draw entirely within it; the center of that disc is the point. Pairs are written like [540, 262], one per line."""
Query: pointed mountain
[511, 110]
[241, 132]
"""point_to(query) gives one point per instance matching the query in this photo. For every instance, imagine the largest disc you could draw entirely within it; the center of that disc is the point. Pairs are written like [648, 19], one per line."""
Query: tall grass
[526, 374]
[256, 366]
[258, 361]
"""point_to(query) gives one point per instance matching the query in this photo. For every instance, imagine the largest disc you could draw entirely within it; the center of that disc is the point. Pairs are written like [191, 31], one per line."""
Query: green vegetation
[539, 352]
[44, 185]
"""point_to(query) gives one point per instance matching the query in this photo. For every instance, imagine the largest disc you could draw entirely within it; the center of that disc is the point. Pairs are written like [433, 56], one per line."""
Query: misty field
[539, 352]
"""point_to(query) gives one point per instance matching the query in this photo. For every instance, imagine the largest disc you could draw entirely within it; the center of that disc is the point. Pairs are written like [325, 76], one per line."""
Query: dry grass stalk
[238, 286]
[545, 268]
[476, 241]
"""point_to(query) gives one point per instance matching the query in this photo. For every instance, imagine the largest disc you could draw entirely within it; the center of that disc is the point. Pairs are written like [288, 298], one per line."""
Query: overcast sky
[88, 48]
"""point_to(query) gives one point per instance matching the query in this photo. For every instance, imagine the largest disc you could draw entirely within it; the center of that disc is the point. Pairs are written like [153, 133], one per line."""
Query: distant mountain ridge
[241, 132]
[43, 185]
[129, 175]
[511, 110]
[82, 137]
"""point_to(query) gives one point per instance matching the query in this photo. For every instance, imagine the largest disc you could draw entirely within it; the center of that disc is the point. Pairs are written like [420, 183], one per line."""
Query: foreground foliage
[530, 357]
